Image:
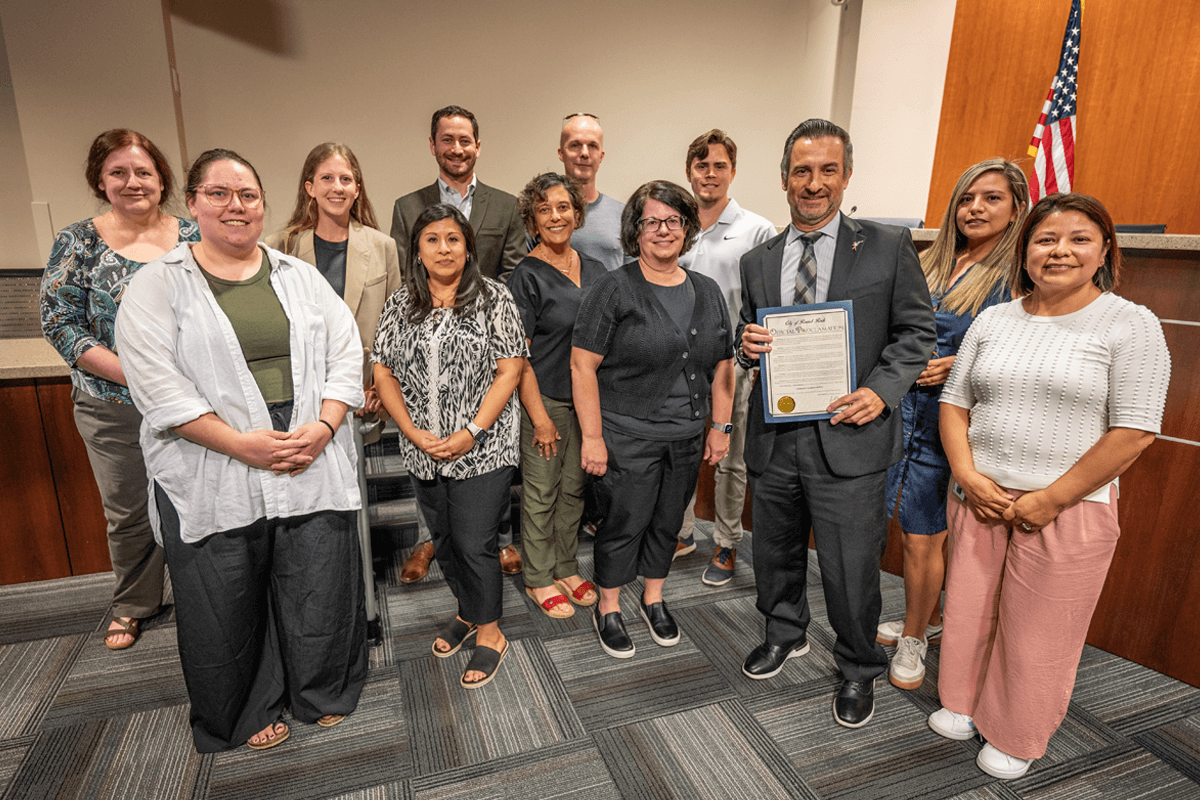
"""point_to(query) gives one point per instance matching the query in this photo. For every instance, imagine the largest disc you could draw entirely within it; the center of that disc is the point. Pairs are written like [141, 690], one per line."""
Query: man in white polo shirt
[727, 232]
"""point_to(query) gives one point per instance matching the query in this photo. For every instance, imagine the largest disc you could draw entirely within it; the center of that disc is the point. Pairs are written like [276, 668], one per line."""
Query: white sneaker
[1001, 765]
[889, 633]
[908, 665]
[952, 725]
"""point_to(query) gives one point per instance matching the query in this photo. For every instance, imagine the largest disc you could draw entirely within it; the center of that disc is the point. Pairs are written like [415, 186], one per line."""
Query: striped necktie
[806, 275]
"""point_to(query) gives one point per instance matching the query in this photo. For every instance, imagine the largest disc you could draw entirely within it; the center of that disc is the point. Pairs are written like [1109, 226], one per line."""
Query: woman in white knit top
[1051, 397]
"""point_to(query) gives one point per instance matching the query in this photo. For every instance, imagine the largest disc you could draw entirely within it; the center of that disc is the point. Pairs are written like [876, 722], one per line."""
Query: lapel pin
[854, 246]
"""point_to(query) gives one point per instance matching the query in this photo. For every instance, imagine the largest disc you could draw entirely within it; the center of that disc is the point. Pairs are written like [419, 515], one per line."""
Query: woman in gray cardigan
[652, 343]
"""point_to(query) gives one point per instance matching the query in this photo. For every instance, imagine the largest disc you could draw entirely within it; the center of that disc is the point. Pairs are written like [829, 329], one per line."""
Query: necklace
[441, 301]
[571, 256]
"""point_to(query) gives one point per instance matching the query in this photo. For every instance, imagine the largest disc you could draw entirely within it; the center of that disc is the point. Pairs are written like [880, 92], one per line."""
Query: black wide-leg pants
[268, 616]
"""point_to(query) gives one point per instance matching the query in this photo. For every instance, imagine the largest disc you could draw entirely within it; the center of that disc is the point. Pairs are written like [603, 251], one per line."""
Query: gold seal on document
[786, 404]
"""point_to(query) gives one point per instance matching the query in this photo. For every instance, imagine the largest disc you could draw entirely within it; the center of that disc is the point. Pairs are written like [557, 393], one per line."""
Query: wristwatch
[723, 428]
[478, 433]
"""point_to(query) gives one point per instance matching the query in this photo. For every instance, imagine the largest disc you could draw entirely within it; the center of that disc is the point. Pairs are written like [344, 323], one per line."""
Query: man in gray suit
[830, 474]
[499, 231]
[499, 242]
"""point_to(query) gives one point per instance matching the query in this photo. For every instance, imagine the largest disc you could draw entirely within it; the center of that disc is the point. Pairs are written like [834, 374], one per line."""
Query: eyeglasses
[221, 196]
[580, 114]
[651, 224]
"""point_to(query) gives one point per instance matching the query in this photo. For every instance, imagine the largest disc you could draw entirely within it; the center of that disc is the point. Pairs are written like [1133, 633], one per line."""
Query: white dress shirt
[823, 248]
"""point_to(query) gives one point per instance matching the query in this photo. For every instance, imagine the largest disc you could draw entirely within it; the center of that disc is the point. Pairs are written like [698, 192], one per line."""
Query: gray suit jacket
[499, 230]
[876, 267]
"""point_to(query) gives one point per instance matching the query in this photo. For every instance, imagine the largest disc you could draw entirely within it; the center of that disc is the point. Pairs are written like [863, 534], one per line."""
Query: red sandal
[579, 592]
[555, 607]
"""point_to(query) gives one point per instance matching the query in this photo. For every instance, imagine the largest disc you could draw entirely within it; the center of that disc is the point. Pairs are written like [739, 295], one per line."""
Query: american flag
[1053, 144]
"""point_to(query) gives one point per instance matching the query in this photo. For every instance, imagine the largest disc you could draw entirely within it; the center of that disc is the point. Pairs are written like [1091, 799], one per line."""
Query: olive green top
[261, 326]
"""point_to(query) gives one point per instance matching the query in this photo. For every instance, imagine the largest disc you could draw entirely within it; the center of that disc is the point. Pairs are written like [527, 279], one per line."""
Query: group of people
[1000, 390]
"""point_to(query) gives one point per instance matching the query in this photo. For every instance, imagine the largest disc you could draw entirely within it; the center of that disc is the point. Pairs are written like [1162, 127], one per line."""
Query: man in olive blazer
[830, 474]
[499, 230]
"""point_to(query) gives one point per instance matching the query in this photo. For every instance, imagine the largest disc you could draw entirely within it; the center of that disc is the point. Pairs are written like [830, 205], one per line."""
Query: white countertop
[30, 358]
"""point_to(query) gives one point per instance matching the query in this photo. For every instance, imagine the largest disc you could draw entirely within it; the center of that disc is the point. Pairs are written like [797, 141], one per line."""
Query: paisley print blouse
[445, 366]
[81, 289]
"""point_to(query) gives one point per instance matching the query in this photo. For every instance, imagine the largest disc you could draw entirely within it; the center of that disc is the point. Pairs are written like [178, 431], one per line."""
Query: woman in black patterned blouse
[448, 356]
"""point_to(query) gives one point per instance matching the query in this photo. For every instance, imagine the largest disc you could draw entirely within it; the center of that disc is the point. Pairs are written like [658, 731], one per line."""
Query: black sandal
[486, 660]
[454, 634]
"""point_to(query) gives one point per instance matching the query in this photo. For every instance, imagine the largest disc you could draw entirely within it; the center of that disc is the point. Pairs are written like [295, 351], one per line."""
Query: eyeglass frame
[570, 117]
[262, 196]
[644, 223]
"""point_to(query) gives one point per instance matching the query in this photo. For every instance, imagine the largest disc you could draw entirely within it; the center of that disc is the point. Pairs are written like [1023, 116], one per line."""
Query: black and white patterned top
[445, 366]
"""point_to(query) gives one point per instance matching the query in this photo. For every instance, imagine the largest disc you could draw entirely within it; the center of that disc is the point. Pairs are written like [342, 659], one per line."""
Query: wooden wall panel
[1147, 610]
[1138, 107]
[31, 532]
[83, 523]
[1165, 281]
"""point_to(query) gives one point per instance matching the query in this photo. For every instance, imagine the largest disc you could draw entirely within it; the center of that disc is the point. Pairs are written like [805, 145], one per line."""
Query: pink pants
[1017, 612]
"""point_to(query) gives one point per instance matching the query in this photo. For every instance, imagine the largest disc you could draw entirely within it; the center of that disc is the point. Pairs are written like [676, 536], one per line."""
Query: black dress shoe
[854, 704]
[613, 636]
[663, 629]
[767, 660]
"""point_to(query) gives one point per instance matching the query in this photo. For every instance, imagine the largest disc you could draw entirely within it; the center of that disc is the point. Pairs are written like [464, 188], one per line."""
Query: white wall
[903, 49]
[657, 76]
[272, 78]
[79, 68]
[20, 248]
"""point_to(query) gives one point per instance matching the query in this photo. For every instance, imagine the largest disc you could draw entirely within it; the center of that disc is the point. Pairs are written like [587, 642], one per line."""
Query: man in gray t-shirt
[581, 150]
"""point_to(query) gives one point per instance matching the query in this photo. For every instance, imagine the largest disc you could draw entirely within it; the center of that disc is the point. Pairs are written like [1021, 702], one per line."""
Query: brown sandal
[128, 627]
[280, 738]
[329, 720]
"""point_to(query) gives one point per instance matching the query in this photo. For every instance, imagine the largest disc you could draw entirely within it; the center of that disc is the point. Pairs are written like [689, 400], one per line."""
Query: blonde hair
[938, 261]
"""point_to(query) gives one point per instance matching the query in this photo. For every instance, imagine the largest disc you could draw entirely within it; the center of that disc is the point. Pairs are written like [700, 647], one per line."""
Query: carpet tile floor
[561, 719]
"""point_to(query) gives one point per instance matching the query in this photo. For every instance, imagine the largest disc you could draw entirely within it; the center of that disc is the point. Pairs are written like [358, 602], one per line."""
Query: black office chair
[1141, 228]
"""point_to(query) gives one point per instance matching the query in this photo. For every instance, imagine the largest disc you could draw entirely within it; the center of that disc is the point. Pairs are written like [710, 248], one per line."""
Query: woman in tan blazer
[333, 227]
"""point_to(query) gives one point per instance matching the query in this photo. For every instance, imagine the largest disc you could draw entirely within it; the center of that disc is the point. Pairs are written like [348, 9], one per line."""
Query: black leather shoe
[767, 660]
[663, 629]
[854, 704]
[613, 636]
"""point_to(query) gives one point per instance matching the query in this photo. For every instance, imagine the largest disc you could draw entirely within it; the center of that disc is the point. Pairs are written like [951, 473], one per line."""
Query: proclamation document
[811, 362]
